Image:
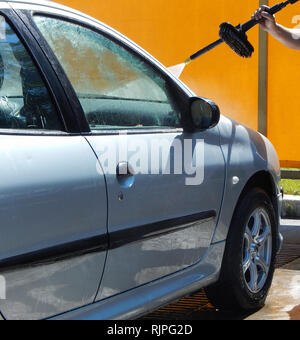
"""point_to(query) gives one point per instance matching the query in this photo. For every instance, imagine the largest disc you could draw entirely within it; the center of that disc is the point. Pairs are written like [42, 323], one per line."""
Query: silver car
[121, 191]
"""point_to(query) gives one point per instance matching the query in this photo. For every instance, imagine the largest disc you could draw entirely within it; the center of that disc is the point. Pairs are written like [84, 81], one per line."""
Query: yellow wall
[283, 94]
[173, 30]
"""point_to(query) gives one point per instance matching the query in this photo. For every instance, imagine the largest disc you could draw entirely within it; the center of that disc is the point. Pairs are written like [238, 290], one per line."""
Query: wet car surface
[121, 190]
[283, 301]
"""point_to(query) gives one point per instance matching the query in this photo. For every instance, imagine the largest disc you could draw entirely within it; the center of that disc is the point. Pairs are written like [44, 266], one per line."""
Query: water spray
[234, 37]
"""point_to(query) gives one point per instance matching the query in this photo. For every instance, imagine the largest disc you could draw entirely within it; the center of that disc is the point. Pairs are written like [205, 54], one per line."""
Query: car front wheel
[250, 255]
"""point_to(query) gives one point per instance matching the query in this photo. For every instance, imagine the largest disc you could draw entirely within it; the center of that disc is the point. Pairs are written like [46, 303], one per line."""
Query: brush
[234, 37]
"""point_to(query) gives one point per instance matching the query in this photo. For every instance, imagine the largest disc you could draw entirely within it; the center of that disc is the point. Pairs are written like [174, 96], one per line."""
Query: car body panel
[38, 181]
[246, 153]
[147, 298]
[43, 291]
[153, 198]
[61, 196]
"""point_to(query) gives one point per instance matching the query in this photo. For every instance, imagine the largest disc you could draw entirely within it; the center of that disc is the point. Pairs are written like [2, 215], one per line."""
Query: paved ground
[283, 302]
[284, 299]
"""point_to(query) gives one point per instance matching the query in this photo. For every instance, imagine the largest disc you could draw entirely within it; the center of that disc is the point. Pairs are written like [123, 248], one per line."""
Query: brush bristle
[236, 40]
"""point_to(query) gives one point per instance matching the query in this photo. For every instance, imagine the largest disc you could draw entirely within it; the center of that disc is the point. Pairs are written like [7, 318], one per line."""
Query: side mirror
[204, 113]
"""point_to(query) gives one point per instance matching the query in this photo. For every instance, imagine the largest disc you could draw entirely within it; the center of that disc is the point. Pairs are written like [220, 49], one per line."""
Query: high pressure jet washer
[235, 37]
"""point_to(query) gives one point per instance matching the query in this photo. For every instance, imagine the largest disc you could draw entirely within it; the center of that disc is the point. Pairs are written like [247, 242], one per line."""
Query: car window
[116, 88]
[24, 99]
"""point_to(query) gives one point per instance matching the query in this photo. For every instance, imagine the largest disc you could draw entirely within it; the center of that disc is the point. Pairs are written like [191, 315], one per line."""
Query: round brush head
[236, 40]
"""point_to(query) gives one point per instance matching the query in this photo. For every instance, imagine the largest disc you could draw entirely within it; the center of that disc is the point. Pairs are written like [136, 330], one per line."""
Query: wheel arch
[263, 180]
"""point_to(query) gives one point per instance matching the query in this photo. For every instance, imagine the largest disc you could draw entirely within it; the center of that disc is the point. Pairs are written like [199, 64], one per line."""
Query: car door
[53, 204]
[164, 185]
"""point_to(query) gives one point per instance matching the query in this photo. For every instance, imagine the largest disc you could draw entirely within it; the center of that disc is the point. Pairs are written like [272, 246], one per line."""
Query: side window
[24, 99]
[115, 87]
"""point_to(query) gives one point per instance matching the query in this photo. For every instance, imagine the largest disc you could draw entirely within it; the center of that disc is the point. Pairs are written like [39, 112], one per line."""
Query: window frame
[175, 91]
[48, 77]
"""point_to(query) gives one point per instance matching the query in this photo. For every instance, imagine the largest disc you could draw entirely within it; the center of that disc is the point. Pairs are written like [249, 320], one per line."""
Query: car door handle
[124, 169]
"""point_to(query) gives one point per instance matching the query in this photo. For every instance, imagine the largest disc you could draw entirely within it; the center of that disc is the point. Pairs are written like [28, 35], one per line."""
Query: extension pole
[245, 27]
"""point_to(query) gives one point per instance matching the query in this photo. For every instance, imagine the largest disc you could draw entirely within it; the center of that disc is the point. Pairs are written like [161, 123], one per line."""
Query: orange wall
[173, 30]
[283, 94]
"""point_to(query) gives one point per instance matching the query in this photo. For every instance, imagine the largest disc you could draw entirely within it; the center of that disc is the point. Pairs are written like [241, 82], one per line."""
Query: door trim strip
[105, 242]
[56, 253]
[121, 238]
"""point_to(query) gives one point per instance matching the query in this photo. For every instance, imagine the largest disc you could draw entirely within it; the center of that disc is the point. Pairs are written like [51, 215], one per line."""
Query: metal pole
[263, 79]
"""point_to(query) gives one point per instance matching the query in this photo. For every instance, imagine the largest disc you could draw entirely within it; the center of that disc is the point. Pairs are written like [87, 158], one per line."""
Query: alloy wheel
[257, 251]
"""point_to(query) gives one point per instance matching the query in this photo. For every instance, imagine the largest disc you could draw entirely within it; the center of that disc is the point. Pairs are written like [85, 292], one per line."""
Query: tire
[250, 254]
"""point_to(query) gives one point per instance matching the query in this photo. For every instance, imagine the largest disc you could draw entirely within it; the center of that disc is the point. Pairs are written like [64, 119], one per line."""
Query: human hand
[269, 23]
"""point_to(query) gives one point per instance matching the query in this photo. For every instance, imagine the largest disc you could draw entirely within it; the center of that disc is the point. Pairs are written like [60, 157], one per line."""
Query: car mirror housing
[204, 113]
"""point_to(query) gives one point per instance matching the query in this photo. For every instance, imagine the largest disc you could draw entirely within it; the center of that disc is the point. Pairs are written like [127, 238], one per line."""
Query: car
[121, 190]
